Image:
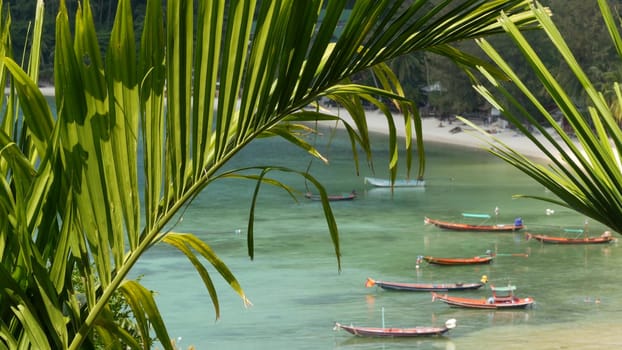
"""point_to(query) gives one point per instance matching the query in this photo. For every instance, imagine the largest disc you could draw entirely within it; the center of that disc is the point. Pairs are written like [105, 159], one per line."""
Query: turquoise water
[298, 291]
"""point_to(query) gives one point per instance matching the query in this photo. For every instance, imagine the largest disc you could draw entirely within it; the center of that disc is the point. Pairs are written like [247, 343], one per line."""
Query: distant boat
[476, 260]
[385, 332]
[606, 237]
[425, 287]
[335, 197]
[398, 183]
[502, 298]
[454, 226]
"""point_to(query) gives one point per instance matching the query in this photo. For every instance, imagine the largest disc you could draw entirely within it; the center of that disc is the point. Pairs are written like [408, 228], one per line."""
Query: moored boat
[606, 237]
[455, 226]
[397, 183]
[476, 260]
[419, 331]
[502, 298]
[426, 287]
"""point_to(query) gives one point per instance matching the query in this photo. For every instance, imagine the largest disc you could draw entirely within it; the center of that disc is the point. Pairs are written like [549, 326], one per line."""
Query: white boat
[398, 183]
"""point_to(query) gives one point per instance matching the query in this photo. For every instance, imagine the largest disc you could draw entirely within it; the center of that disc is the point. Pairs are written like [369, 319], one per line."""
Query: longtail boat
[455, 226]
[606, 237]
[502, 298]
[397, 332]
[426, 287]
[476, 260]
[397, 183]
[334, 197]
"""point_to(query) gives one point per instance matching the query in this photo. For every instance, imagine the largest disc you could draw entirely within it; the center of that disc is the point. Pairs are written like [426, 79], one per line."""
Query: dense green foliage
[452, 93]
[416, 71]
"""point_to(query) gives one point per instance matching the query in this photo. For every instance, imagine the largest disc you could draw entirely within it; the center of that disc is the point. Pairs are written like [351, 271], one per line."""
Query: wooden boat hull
[398, 183]
[469, 227]
[563, 240]
[332, 198]
[423, 287]
[476, 260]
[491, 303]
[393, 332]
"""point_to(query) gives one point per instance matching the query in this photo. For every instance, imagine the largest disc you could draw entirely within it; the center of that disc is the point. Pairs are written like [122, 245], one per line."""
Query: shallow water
[298, 291]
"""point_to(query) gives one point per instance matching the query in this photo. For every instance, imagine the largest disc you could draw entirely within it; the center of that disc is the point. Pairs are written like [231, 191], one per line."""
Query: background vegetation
[432, 81]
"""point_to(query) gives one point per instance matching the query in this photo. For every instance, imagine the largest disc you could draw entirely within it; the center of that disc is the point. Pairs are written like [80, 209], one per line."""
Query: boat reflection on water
[441, 343]
[476, 318]
[382, 192]
[397, 183]
[509, 317]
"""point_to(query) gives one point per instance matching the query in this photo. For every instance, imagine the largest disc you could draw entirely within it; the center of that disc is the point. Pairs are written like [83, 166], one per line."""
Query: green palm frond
[207, 79]
[584, 173]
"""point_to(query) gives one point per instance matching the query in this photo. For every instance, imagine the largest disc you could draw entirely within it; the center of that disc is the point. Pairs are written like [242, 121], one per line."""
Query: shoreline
[47, 91]
[433, 131]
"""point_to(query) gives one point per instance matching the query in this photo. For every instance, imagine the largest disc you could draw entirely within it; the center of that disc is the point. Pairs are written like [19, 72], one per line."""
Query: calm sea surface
[298, 291]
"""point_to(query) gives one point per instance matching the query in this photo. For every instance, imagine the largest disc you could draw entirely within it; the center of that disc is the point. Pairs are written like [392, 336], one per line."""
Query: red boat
[425, 287]
[480, 259]
[335, 197]
[606, 237]
[398, 332]
[517, 225]
[502, 298]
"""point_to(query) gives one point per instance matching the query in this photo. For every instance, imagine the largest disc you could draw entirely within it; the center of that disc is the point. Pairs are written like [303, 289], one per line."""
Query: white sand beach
[435, 131]
[47, 90]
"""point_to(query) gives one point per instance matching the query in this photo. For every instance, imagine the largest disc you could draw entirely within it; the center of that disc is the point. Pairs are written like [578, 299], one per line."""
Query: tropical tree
[583, 167]
[207, 79]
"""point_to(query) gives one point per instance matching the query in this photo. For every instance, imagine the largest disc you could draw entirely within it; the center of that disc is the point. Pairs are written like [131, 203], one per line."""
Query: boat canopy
[505, 289]
[573, 230]
[471, 215]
